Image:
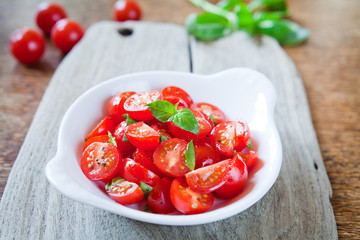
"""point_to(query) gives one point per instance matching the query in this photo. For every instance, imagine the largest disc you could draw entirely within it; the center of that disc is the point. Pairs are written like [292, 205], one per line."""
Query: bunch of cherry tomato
[28, 45]
[145, 149]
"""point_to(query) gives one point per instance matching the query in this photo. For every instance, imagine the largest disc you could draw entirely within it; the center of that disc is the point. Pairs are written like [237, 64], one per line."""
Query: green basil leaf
[128, 119]
[190, 156]
[271, 5]
[228, 4]
[162, 110]
[248, 144]
[246, 20]
[146, 189]
[112, 139]
[208, 26]
[163, 138]
[212, 119]
[261, 15]
[186, 120]
[284, 31]
[113, 182]
[125, 139]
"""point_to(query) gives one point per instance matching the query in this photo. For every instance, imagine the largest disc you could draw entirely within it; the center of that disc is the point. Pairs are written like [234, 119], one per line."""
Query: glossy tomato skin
[101, 139]
[27, 45]
[208, 179]
[146, 161]
[126, 10]
[100, 161]
[102, 128]
[207, 108]
[178, 93]
[170, 158]
[242, 135]
[48, 14]
[142, 136]
[176, 100]
[205, 127]
[125, 148]
[188, 201]
[125, 192]
[134, 172]
[237, 178]
[249, 157]
[161, 128]
[205, 155]
[116, 106]
[136, 107]
[223, 138]
[66, 33]
[159, 200]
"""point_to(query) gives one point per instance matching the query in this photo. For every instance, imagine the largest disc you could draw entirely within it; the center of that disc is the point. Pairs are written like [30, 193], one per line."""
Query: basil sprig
[248, 144]
[190, 155]
[255, 17]
[146, 189]
[112, 139]
[164, 111]
[128, 119]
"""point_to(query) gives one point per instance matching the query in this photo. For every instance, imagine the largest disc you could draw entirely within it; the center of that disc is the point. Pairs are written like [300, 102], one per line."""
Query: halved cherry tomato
[242, 135]
[237, 178]
[205, 127]
[170, 158]
[136, 107]
[188, 201]
[208, 179]
[102, 128]
[177, 92]
[207, 108]
[124, 192]
[101, 138]
[205, 155]
[161, 128]
[134, 172]
[116, 106]
[249, 156]
[159, 198]
[142, 136]
[100, 161]
[174, 100]
[125, 148]
[146, 161]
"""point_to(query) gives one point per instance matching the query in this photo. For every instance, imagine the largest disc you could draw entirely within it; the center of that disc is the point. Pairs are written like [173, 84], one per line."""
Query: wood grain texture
[283, 213]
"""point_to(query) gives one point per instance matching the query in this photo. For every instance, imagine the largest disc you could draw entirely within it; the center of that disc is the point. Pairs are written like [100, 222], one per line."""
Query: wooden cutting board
[297, 206]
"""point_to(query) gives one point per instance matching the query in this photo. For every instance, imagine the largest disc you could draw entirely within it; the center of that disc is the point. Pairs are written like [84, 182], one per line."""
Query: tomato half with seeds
[172, 91]
[124, 192]
[105, 125]
[100, 161]
[249, 157]
[205, 127]
[242, 135]
[125, 148]
[159, 198]
[136, 107]
[134, 172]
[237, 178]
[142, 136]
[116, 106]
[161, 128]
[207, 108]
[170, 158]
[187, 200]
[208, 179]
[101, 139]
[205, 155]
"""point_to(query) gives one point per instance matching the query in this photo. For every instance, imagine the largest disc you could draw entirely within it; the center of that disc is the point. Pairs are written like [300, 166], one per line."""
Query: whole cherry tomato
[27, 45]
[66, 33]
[48, 14]
[126, 10]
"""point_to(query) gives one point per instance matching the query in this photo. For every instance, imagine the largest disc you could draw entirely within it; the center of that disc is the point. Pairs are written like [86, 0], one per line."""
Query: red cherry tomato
[237, 178]
[66, 33]
[48, 14]
[207, 108]
[174, 100]
[134, 172]
[177, 92]
[126, 10]
[142, 136]
[101, 139]
[207, 179]
[125, 148]
[116, 106]
[27, 45]
[170, 158]
[136, 107]
[161, 128]
[188, 201]
[249, 157]
[159, 198]
[124, 192]
[242, 135]
[205, 127]
[100, 161]
[205, 155]
[144, 160]
[102, 128]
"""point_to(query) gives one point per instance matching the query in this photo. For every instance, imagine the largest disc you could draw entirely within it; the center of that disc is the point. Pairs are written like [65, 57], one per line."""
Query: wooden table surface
[329, 64]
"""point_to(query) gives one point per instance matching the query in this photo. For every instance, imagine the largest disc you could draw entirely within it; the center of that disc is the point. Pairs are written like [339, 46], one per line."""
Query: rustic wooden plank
[299, 203]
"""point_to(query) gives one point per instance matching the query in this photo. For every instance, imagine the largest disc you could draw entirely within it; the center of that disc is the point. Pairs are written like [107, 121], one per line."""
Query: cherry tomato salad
[162, 148]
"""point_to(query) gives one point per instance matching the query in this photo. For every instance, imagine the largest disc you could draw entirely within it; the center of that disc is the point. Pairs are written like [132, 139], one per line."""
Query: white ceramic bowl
[243, 94]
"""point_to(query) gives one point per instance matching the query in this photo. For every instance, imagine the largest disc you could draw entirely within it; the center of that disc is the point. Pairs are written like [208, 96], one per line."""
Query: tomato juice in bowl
[255, 106]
